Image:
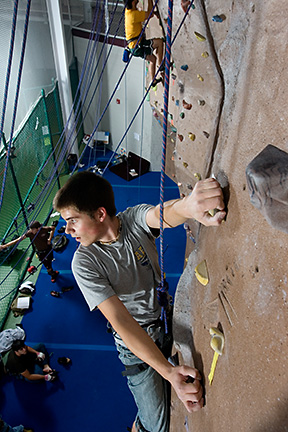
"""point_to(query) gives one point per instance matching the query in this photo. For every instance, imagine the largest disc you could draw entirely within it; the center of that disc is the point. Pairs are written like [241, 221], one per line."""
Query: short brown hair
[86, 192]
[35, 224]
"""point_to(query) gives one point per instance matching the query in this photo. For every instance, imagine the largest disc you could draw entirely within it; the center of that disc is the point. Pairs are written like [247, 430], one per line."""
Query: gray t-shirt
[127, 268]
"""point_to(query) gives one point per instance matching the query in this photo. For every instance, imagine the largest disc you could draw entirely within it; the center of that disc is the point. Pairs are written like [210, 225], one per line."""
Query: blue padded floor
[90, 395]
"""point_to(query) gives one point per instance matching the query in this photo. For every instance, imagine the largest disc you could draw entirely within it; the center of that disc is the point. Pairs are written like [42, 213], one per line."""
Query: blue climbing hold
[217, 18]
[184, 67]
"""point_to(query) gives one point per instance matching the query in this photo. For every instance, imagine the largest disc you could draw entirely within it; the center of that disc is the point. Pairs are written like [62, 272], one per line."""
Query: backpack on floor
[21, 304]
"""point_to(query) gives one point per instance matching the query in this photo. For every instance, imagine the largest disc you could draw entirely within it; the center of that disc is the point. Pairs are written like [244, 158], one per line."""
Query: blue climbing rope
[163, 287]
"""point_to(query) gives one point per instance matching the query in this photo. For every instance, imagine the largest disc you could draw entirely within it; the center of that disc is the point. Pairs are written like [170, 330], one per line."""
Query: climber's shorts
[143, 49]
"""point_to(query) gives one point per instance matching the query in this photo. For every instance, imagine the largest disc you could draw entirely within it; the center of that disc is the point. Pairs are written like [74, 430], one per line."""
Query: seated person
[145, 48]
[41, 237]
[31, 363]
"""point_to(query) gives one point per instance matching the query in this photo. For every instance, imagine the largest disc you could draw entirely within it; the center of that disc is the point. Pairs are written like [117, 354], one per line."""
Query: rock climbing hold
[217, 344]
[118, 101]
[173, 98]
[173, 76]
[197, 176]
[180, 137]
[200, 37]
[173, 175]
[173, 129]
[182, 195]
[182, 115]
[177, 102]
[205, 54]
[217, 341]
[186, 105]
[200, 77]
[179, 184]
[184, 67]
[185, 164]
[185, 4]
[172, 158]
[201, 273]
[189, 186]
[191, 136]
[217, 18]
[201, 102]
[155, 114]
[181, 86]
[206, 134]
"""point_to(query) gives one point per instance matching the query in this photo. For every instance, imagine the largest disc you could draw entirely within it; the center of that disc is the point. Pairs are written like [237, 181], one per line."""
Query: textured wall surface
[244, 86]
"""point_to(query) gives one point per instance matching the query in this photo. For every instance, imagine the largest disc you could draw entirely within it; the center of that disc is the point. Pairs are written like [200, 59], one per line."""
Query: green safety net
[32, 160]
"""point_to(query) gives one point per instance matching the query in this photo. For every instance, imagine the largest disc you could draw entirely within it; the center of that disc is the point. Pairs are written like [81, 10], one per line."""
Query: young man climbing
[116, 268]
[144, 49]
[41, 237]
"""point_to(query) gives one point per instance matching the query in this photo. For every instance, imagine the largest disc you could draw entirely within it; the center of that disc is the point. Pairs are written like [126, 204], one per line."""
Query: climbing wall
[228, 101]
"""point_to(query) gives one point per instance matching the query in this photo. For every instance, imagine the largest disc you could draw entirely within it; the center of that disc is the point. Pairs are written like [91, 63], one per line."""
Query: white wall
[38, 67]
[119, 115]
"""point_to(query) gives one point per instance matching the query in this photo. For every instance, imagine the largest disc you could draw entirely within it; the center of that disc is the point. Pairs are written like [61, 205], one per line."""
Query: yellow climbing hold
[205, 54]
[185, 164]
[217, 341]
[217, 344]
[200, 77]
[201, 273]
[200, 37]
[197, 176]
[191, 136]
